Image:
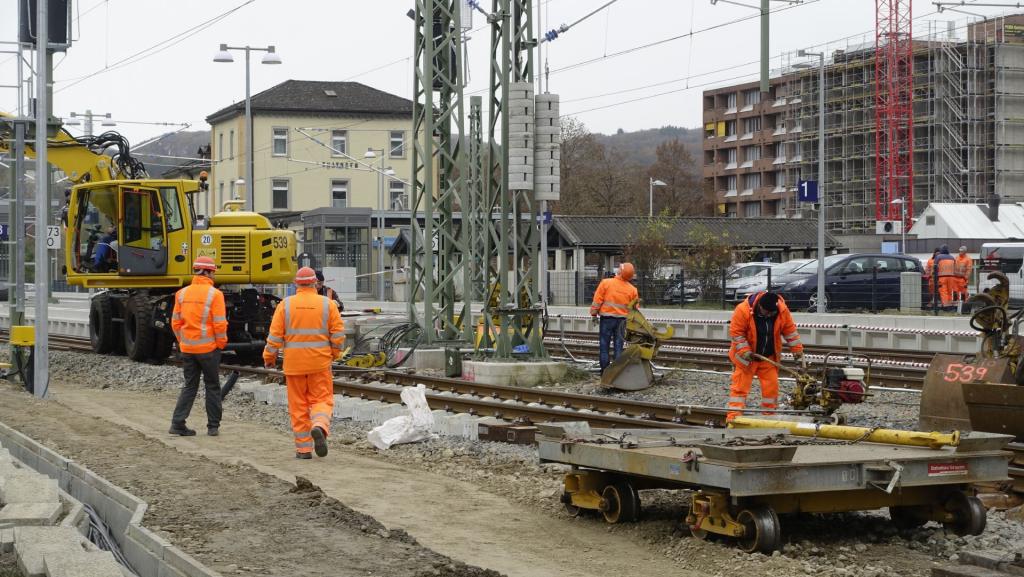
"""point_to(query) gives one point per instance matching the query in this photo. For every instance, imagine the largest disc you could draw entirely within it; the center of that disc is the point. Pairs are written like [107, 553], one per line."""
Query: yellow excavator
[136, 237]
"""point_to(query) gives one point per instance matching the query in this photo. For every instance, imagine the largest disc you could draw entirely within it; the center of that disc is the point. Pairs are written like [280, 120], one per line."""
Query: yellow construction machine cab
[125, 234]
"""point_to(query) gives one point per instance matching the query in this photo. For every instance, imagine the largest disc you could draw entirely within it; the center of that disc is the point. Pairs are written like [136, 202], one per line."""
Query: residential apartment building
[968, 132]
[310, 153]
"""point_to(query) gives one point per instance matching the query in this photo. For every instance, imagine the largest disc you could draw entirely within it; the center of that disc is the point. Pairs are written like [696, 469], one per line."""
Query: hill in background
[180, 144]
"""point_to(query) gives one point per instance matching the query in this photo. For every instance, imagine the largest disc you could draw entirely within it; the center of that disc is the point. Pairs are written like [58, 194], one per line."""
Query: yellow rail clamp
[23, 335]
[889, 436]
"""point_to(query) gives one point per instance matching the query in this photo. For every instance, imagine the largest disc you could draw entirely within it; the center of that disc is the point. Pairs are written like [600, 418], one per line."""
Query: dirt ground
[230, 501]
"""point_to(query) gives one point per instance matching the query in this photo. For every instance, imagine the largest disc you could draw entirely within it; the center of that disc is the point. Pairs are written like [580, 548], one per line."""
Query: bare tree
[683, 192]
[595, 179]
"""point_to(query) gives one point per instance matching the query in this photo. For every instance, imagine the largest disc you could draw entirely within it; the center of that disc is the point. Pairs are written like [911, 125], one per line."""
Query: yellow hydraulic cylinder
[844, 433]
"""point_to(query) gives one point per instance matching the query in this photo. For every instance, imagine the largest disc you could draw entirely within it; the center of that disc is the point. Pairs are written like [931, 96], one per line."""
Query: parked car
[852, 281]
[740, 288]
[692, 292]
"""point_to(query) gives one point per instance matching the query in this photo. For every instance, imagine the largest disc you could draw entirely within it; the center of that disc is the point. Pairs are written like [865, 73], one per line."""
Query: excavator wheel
[103, 331]
[139, 333]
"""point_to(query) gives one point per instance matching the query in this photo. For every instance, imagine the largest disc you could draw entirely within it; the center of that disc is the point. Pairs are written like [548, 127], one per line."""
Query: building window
[751, 209]
[730, 183]
[752, 96]
[751, 124]
[730, 101]
[280, 142]
[751, 153]
[339, 193]
[396, 144]
[220, 196]
[220, 146]
[279, 194]
[730, 128]
[730, 158]
[780, 150]
[396, 191]
[339, 142]
[929, 220]
[231, 145]
[752, 181]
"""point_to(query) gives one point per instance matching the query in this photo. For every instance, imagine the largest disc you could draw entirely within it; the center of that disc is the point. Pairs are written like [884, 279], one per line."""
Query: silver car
[750, 278]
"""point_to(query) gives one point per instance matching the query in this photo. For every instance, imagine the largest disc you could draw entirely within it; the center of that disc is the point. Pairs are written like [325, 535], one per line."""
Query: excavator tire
[139, 333]
[102, 329]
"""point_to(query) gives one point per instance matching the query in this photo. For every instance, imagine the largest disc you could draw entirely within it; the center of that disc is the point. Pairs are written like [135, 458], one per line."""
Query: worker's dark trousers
[611, 337]
[207, 364]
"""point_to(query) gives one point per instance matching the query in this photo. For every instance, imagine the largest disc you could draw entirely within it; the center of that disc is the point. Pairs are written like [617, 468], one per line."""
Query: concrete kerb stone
[29, 489]
[74, 511]
[121, 510]
[33, 544]
[43, 514]
[84, 564]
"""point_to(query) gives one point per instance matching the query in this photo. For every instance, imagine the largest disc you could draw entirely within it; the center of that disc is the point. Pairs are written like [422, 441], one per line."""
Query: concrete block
[345, 407]
[426, 358]
[6, 540]
[31, 513]
[24, 489]
[144, 560]
[32, 544]
[184, 563]
[523, 373]
[364, 411]
[82, 564]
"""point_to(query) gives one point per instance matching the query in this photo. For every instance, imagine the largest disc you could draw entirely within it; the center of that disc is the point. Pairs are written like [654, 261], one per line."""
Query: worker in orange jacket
[308, 330]
[760, 324]
[929, 275]
[200, 324]
[611, 302]
[948, 281]
[964, 265]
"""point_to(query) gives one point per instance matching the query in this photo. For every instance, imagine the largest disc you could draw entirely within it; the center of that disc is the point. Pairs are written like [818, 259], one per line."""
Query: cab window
[143, 227]
[95, 230]
[172, 208]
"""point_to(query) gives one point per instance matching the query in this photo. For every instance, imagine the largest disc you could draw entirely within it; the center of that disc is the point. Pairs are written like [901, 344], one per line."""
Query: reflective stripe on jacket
[964, 264]
[946, 265]
[743, 330]
[199, 320]
[308, 330]
[612, 298]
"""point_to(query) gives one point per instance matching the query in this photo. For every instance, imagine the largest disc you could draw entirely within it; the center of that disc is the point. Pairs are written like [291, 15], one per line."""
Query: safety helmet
[305, 276]
[626, 271]
[204, 263]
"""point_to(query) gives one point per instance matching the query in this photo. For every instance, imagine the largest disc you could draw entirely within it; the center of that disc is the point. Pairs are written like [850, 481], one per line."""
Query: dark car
[852, 281]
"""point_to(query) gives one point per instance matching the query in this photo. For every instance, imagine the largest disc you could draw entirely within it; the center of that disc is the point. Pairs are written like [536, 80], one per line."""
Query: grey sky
[346, 39]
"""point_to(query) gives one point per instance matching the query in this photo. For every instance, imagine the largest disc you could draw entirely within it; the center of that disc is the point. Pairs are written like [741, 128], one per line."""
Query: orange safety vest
[964, 264]
[199, 320]
[308, 329]
[946, 264]
[743, 331]
[612, 297]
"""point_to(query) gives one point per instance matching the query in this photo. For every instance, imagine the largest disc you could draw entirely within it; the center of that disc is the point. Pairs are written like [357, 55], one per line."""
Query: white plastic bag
[407, 428]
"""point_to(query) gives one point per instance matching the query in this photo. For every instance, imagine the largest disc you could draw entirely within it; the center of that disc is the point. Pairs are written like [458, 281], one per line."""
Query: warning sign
[947, 469]
[210, 252]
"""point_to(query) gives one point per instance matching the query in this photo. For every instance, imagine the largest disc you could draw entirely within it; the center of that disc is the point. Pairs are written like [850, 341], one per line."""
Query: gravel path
[847, 545]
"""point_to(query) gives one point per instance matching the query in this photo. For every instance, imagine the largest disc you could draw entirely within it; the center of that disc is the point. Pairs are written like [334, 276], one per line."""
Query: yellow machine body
[23, 336]
[633, 370]
[932, 440]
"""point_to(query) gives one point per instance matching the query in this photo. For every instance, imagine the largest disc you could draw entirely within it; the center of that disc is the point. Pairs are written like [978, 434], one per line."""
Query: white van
[1007, 257]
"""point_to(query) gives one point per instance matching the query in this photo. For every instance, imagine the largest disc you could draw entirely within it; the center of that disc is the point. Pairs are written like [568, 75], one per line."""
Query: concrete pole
[764, 45]
[88, 122]
[821, 182]
[250, 182]
[41, 373]
[380, 226]
[16, 232]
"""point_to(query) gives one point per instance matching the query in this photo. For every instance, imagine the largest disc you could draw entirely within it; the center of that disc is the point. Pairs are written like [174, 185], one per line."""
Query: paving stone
[82, 564]
[6, 540]
[29, 489]
[32, 544]
[31, 513]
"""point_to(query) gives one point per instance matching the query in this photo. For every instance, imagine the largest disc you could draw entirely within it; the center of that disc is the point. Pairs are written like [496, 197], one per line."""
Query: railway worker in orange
[308, 330]
[611, 303]
[200, 324]
[964, 265]
[948, 280]
[929, 275]
[760, 324]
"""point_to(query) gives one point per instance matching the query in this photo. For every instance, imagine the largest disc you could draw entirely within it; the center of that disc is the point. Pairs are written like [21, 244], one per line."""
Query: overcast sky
[120, 62]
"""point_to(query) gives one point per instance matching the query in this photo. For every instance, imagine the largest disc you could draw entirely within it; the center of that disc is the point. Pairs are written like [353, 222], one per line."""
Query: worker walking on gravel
[964, 265]
[308, 330]
[200, 324]
[760, 324]
[611, 302]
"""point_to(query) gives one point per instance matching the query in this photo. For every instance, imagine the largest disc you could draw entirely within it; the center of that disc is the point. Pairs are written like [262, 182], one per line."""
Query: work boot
[182, 431]
[319, 441]
[213, 431]
[303, 455]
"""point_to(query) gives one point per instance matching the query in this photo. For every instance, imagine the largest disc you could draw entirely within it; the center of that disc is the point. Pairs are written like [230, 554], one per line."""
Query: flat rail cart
[741, 480]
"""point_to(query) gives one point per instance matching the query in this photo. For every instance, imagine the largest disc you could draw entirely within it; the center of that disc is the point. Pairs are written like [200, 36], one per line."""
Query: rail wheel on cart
[761, 530]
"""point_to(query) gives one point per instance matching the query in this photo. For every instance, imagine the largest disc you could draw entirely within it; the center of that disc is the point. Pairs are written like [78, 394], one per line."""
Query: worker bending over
[308, 329]
[760, 324]
[964, 265]
[200, 324]
[611, 301]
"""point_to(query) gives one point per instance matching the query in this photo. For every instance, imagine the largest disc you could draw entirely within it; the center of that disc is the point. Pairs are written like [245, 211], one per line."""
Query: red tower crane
[894, 110]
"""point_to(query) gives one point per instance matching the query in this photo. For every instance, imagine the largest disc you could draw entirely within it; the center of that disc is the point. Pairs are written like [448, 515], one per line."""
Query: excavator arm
[81, 159]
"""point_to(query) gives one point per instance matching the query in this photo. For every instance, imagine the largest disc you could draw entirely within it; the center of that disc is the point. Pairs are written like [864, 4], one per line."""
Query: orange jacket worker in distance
[200, 324]
[308, 330]
[611, 301]
[760, 324]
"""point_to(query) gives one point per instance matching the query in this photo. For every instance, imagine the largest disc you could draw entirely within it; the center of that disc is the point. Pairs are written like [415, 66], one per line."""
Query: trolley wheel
[571, 509]
[622, 503]
[139, 333]
[907, 517]
[969, 514]
[763, 533]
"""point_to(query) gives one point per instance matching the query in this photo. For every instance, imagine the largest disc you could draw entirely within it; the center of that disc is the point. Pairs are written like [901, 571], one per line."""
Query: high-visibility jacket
[308, 329]
[612, 298]
[199, 320]
[946, 265]
[743, 331]
[964, 264]
[333, 295]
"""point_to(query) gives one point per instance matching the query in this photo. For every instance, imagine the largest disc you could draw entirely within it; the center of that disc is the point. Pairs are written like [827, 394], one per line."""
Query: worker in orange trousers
[964, 266]
[308, 330]
[611, 303]
[948, 280]
[760, 324]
